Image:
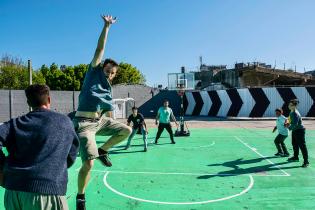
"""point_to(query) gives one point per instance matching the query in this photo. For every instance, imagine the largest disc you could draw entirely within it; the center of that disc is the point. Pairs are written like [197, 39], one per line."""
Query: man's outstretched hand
[108, 19]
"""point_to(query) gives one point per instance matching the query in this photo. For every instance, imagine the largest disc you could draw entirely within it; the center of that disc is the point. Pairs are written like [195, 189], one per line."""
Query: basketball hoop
[181, 89]
[181, 82]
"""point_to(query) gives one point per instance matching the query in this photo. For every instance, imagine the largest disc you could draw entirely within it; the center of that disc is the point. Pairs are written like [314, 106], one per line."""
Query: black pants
[279, 142]
[298, 143]
[168, 127]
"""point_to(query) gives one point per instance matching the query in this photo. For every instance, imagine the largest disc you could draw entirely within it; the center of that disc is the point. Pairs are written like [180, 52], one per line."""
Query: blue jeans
[134, 132]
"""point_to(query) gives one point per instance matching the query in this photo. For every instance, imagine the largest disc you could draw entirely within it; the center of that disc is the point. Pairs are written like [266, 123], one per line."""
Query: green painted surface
[213, 165]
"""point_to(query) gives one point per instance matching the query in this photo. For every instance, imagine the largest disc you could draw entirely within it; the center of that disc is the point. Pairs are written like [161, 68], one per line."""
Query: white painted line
[181, 173]
[251, 184]
[263, 156]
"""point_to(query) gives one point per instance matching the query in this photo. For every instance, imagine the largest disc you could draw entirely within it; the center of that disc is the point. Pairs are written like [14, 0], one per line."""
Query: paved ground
[205, 122]
[223, 165]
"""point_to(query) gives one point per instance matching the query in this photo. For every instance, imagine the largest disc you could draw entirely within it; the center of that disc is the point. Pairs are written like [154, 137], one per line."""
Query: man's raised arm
[99, 52]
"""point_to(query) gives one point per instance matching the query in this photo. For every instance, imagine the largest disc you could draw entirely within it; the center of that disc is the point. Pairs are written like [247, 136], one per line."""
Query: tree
[38, 78]
[70, 78]
[80, 71]
[14, 75]
[128, 74]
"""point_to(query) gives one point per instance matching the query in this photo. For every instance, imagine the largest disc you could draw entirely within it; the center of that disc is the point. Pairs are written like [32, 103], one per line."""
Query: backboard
[181, 81]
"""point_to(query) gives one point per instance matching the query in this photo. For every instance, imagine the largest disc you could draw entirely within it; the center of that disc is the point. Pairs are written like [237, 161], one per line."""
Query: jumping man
[93, 116]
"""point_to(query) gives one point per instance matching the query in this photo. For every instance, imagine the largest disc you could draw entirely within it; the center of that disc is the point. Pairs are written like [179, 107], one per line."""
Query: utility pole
[30, 81]
[200, 59]
[29, 67]
[73, 92]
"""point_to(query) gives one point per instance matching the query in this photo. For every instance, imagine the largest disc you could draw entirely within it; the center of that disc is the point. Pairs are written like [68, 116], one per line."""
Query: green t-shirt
[295, 121]
[96, 92]
[165, 114]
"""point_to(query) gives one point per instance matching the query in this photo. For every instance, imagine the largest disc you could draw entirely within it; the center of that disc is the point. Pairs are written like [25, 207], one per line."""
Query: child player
[298, 134]
[283, 132]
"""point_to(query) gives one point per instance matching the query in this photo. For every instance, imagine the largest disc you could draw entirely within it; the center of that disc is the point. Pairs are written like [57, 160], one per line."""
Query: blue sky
[160, 36]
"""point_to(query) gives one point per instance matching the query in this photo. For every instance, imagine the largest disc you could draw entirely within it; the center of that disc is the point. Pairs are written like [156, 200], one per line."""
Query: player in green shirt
[298, 133]
[163, 119]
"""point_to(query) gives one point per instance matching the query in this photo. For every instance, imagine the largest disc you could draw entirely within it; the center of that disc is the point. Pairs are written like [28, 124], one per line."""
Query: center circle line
[251, 184]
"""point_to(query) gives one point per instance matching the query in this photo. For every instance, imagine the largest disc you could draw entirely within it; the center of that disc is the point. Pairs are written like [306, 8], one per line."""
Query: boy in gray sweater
[41, 146]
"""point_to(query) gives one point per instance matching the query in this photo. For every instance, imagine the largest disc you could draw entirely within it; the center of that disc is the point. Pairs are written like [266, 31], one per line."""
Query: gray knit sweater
[41, 146]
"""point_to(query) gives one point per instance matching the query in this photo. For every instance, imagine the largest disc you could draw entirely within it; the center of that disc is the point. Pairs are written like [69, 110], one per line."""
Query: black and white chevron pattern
[249, 102]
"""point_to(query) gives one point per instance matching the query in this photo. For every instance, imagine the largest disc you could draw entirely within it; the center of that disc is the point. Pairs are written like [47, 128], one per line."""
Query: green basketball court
[215, 168]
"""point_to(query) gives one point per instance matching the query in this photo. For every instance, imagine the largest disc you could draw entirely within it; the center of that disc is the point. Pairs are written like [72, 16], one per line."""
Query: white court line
[251, 184]
[263, 156]
[180, 173]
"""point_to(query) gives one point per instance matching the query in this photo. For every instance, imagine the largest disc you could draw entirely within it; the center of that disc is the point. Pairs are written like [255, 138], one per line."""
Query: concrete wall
[62, 101]
[249, 102]
[140, 93]
[150, 107]
[67, 101]
[4, 105]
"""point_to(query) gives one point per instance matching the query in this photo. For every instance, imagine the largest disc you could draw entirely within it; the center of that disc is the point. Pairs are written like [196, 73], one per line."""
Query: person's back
[41, 146]
[38, 147]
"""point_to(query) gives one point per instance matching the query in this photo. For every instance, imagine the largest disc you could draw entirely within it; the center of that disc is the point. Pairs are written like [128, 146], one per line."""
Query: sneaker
[285, 155]
[173, 142]
[305, 165]
[155, 142]
[126, 148]
[80, 204]
[279, 154]
[103, 157]
[293, 159]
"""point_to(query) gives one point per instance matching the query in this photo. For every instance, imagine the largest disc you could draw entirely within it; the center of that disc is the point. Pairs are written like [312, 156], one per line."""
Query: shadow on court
[136, 139]
[238, 170]
[122, 151]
